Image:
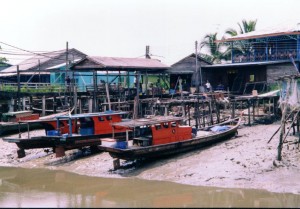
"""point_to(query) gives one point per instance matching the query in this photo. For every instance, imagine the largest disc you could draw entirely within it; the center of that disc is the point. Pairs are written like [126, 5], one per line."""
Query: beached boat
[163, 135]
[67, 132]
[12, 122]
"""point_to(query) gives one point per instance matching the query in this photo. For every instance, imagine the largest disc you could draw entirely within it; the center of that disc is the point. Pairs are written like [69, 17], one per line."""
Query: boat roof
[85, 115]
[147, 121]
[17, 113]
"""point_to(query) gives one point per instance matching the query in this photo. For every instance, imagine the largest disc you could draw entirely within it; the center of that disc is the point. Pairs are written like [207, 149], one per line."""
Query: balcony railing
[279, 55]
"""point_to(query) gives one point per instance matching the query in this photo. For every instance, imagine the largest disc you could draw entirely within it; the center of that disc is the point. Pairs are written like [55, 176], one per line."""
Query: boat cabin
[84, 124]
[155, 131]
[19, 116]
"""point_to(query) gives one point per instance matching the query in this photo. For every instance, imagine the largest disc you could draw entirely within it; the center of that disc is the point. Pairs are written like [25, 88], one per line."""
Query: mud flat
[246, 161]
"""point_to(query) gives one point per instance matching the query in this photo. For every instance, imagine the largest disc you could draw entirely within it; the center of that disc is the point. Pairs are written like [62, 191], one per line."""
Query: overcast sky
[123, 28]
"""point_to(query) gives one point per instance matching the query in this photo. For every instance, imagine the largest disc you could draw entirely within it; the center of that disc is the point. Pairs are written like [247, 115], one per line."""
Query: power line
[39, 54]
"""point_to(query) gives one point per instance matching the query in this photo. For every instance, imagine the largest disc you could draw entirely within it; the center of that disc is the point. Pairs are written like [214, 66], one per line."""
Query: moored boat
[12, 122]
[161, 136]
[71, 132]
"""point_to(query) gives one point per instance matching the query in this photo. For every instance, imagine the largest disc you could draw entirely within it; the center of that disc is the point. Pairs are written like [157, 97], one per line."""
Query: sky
[123, 28]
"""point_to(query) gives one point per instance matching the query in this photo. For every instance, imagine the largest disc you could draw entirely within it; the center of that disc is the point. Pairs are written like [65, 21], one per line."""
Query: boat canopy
[86, 115]
[148, 121]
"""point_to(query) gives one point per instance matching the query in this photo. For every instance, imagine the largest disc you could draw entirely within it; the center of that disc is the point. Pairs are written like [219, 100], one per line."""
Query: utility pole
[147, 55]
[39, 72]
[66, 74]
[196, 57]
[197, 86]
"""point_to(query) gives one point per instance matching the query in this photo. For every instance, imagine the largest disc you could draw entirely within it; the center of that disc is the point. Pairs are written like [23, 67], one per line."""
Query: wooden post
[280, 144]
[23, 103]
[146, 84]
[75, 99]
[233, 110]
[107, 96]
[116, 163]
[248, 102]
[54, 103]
[11, 104]
[19, 87]
[297, 123]
[253, 109]
[203, 113]
[210, 112]
[80, 105]
[136, 100]
[90, 102]
[218, 112]
[94, 92]
[189, 114]
[59, 151]
[30, 102]
[43, 105]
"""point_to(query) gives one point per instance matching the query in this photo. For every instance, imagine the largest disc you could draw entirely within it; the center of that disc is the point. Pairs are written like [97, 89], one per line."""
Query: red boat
[71, 132]
[163, 135]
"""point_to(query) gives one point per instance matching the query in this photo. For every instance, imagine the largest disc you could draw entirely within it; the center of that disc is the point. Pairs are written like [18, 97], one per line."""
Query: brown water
[45, 188]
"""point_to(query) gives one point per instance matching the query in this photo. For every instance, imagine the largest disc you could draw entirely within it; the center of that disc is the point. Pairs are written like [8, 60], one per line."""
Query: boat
[12, 122]
[67, 132]
[163, 135]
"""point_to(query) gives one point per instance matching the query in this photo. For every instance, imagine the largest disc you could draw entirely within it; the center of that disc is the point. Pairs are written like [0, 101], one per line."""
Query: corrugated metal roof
[33, 61]
[118, 62]
[282, 29]
[55, 67]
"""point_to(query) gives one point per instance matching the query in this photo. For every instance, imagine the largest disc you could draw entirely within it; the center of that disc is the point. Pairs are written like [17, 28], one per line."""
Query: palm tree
[245, 27]
[215, 49]
[2, 59]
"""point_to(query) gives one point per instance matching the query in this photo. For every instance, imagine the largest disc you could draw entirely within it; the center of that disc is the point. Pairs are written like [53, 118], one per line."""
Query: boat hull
[12, 128]
[55, 141]
[170, 148]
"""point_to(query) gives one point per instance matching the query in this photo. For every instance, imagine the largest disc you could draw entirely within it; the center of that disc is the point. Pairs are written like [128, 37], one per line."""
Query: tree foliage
[216, 54]
[3, 59]
[245, 27]
[219, 51]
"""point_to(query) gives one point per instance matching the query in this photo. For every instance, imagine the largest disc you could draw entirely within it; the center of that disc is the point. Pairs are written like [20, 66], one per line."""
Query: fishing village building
[270, 53]
[186, 70]
[122, 72]
[37, 69]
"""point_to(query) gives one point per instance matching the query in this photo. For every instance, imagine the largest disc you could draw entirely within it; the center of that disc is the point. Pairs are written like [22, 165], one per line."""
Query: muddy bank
[243, 162]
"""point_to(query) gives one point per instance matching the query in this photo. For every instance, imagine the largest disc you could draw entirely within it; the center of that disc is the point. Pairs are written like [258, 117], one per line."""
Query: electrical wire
[39, 54]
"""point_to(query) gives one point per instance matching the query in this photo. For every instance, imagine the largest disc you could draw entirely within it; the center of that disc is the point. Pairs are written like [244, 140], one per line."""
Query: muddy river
[20, 187]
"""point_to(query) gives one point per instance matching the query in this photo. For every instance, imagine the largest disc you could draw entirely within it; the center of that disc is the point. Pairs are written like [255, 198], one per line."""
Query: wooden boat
[71, 132]
[160, 136]
[12, 122]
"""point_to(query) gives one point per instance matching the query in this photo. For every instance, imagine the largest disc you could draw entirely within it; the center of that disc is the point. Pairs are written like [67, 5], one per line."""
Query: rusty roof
[122, 63]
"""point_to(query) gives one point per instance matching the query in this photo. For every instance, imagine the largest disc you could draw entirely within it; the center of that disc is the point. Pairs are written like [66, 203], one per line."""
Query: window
[157, 127]
[108, 117]
[101, 119]
[166, 125]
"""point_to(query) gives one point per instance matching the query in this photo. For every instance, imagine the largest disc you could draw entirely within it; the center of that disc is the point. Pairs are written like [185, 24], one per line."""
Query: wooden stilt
[116, 163]
[21, 153]
[60, 151]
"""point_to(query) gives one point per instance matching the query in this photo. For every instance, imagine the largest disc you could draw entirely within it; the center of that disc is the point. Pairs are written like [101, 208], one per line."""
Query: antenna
[147, 55]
